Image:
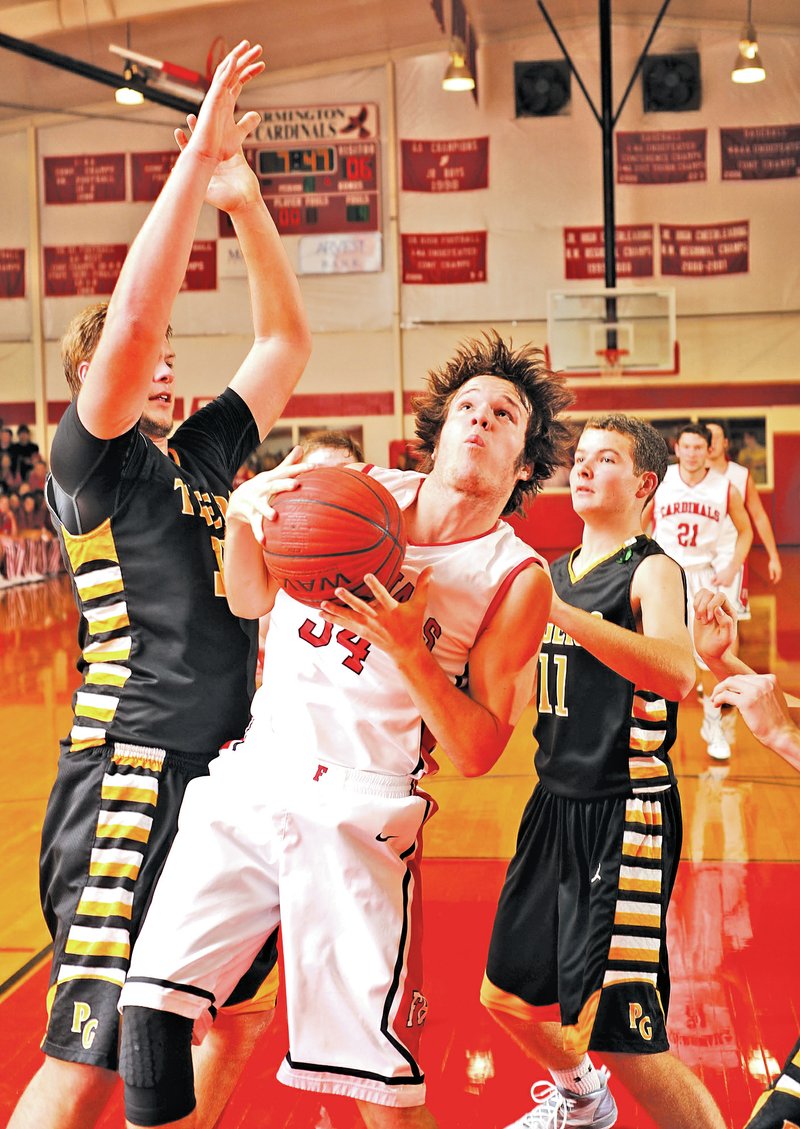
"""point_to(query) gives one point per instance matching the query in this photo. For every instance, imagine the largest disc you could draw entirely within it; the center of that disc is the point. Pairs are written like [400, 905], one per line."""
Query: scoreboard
[325, 184]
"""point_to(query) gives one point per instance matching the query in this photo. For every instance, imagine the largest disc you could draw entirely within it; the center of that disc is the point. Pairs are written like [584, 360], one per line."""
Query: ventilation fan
[671, 83]
[541, 89]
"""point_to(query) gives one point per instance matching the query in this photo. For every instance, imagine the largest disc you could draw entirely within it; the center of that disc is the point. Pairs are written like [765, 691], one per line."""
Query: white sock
[580, 1079]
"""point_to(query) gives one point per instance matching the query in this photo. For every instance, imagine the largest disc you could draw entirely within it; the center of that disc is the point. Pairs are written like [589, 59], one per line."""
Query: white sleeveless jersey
[738, 476]
[343, 700]
[689, 519]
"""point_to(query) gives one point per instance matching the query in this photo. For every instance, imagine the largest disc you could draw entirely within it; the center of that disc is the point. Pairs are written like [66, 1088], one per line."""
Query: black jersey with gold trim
[599, 734]
[163, 662]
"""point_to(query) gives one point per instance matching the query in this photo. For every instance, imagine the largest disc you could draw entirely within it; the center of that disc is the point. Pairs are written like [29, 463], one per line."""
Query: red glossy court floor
[735, 1009]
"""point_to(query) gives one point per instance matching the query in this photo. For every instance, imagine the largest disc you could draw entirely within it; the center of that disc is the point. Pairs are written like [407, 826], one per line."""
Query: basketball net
[611, 361]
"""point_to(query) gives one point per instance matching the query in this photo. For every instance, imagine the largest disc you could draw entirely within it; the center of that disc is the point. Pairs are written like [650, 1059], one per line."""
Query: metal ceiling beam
[96, 74]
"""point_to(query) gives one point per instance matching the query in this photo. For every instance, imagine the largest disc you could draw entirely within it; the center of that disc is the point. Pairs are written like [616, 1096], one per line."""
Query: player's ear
[647, 485]
[83, 368]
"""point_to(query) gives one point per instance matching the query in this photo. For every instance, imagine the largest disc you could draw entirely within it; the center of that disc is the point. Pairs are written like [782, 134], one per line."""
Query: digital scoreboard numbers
[319, 169]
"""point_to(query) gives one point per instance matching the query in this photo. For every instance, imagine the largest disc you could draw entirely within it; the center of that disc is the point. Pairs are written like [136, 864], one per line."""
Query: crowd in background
[28, 546]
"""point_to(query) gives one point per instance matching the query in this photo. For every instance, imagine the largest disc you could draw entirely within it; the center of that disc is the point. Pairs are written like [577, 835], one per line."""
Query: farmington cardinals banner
[445, 166]
[201, 273]
[697, 250]
[97, 178]
[12, 272]
[585, 251]
[661, 156]
[441, 258]
[763, 152]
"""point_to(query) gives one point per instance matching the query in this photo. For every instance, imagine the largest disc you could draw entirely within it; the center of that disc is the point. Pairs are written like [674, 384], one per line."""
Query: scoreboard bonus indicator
[318, 189]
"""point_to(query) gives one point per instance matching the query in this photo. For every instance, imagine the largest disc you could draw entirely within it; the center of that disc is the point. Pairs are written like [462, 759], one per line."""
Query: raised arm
[119, 375]
[660, 658]
[744, 537]
[763, 526]
[474, 728]
[282, 341]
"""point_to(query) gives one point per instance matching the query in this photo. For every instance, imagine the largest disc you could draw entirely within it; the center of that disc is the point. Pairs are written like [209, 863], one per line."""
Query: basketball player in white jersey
[688, 514]
[737, 592]
[317, 813]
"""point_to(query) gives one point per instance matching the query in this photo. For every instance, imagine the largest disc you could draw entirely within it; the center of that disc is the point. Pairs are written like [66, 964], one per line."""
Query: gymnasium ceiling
[298, 34]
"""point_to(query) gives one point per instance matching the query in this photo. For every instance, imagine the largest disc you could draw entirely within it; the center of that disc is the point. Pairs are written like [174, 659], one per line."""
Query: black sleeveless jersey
[598, 734]
[163, 661]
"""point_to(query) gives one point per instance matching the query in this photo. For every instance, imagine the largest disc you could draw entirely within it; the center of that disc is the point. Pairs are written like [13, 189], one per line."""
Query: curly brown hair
[547, 438]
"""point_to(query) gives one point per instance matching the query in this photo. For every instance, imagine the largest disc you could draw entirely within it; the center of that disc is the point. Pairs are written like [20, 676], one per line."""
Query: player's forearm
[660, 665]
[763, 527]
[277, 304]
[470, 735]
[156, 263]
[722, 666]
[247, 587]
[744, 540]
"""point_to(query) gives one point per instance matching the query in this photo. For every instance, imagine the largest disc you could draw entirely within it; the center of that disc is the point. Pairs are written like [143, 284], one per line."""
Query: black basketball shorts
[110, 821]
[581, 921]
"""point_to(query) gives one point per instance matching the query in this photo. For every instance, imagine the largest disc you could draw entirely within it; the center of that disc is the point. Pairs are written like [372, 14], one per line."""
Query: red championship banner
[585, 251]
[12, 272]
[445, 166]
[95, 178]
[762, 152]
[89, 269]
[149, 171]
[669, 156]
[444, 257]
[201, 273]
[705, 249]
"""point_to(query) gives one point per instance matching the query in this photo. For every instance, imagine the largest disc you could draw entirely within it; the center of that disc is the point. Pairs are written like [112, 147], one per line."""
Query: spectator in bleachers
[23, 450]
[37, 473]
[9, 478]
[8, 523]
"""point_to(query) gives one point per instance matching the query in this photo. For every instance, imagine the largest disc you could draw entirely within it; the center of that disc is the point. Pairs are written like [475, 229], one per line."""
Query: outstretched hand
[251, 502]
[714, 624]
[214, 133]
[391, 626]
[760, 702]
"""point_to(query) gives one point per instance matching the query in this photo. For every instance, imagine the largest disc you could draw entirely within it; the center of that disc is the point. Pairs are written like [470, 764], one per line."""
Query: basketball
[337, 526]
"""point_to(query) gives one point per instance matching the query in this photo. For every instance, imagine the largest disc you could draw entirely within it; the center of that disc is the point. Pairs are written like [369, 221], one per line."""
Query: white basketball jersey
[689, 519]
[333, 694]
[738, 476]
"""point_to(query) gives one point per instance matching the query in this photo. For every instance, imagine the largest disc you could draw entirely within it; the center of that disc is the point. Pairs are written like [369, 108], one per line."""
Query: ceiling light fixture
[126, 95]
[458, 76]
[748, 66]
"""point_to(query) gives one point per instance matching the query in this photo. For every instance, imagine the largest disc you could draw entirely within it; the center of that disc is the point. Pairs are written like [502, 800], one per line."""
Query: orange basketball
[338, 525]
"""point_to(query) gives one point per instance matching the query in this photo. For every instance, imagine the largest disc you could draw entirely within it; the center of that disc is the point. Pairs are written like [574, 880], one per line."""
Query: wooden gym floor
[735, 1009]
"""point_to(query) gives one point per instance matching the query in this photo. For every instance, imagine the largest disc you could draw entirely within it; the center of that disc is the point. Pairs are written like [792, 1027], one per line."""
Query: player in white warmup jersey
[737, 591]
[314, 819]
[688, 514]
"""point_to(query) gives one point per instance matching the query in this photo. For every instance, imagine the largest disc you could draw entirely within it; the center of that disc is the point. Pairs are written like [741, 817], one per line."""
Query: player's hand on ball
[393, 627]
[251, 502]
[714, 623]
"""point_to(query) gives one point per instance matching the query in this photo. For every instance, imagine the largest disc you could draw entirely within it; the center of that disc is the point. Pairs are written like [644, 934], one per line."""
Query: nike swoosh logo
[385, 838]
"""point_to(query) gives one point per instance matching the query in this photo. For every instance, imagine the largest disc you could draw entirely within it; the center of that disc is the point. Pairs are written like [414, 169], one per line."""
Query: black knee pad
[155, 1062]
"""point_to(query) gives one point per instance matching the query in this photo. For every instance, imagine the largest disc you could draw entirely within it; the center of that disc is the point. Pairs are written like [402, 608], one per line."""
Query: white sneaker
[712, 733]
[555, 1108]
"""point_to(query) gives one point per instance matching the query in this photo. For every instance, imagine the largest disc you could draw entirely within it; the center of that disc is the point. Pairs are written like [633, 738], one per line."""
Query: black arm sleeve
[85, 473]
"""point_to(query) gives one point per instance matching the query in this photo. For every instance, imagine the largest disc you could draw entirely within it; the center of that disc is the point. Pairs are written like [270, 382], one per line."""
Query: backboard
[612, 332]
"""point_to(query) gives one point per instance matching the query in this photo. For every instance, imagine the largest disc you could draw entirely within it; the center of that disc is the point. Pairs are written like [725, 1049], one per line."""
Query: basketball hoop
[611, 361]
